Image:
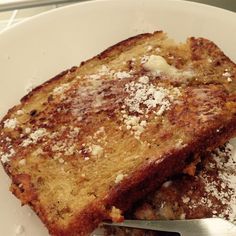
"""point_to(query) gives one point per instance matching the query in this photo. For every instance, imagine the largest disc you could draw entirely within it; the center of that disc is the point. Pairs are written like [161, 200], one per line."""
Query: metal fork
[196, 227]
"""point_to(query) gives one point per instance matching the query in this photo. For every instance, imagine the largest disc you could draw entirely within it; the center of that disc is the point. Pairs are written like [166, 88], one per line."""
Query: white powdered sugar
[102, 71]
[144, 97]
[167, 184]
[70, 150]
[148, 95]
[105, 71]
[5, 157]
[95, 76]
[22, 162]
[122, 75]
[149, 48]
[226, 74]
[27, 130]
[119, 178]
[20, 112]
[226, 193]
[143, 79]
[10, 123]
[185, 199]
[60, 89]
[34, 137]
[96, 150]
[135, 124]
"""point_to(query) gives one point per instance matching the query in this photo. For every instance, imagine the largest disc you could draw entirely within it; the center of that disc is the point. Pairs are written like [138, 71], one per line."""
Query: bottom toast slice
[87, 144]
[211, 192]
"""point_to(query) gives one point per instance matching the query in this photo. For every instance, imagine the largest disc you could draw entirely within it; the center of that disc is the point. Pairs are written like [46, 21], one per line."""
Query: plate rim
[28, 22]
[89, 2]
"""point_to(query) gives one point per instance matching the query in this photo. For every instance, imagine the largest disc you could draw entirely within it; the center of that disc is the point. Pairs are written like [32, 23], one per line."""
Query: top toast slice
[100, 136]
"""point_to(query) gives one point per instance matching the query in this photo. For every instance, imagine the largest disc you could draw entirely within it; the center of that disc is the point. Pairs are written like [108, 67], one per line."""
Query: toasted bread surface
[104, 134]
[210, 192]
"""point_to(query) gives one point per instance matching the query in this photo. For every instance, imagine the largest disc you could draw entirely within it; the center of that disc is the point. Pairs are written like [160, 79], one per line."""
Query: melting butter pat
[157, 64]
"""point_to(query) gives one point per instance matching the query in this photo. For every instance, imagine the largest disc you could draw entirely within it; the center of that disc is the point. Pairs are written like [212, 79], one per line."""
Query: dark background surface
[227, 4]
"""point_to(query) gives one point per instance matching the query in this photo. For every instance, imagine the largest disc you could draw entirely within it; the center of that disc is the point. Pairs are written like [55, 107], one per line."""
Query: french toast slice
[84, 146]
[210, 192]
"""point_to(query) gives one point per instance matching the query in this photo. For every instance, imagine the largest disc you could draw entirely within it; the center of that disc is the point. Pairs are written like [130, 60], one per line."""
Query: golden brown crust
[125, 45]
[89, 138]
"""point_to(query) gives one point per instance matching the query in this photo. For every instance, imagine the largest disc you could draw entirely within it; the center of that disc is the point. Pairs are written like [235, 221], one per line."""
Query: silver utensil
[196, 227]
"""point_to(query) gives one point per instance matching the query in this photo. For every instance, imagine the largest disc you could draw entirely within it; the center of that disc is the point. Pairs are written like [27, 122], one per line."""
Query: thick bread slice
[211, 192]
[106, 133]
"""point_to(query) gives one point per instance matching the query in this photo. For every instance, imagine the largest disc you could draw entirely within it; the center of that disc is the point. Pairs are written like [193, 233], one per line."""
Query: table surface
[227, 4]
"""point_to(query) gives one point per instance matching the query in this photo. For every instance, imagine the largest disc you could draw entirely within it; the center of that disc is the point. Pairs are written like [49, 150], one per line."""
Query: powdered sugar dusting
[227, 175]
[10, 123]
[95, 76]
[20, 112]
[102, 71]
[61, 89]
[144, 79]
[96, 150]
[122, 75]
[227, 75]
[34, 137]
[141, 93]
[119, 178]
[135, 124]
[5, 157]
[221, 189]
[144, 97]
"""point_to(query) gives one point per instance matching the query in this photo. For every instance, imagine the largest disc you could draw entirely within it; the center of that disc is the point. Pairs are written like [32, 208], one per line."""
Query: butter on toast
[82, 147]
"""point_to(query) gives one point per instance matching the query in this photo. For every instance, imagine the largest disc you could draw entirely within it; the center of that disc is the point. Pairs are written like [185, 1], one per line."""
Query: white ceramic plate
[39, 48]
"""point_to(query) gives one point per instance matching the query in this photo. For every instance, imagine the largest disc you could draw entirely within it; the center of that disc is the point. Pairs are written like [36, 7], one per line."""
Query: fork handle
[196, 227]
